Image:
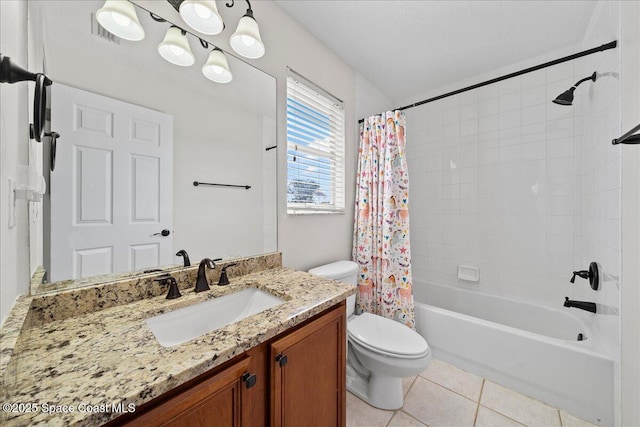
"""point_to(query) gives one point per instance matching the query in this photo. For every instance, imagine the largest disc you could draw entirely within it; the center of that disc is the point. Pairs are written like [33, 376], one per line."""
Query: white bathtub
[527, 347]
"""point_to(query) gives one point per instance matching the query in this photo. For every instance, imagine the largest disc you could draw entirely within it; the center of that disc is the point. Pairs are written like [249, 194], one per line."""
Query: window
[315, 149]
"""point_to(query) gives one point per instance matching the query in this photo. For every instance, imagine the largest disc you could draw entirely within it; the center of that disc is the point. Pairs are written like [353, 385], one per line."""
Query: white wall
[304, 240]
[630, 40]
[14, 139]
[598, 166]
[493, 178]
[598, 169]
[528, 191]
[308, 240]
[369, 100]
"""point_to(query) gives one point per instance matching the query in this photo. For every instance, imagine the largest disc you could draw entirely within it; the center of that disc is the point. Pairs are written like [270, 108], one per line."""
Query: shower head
[566, 97]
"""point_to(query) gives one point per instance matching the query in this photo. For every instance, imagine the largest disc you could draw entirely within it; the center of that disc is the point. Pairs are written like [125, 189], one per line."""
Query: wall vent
[99, 31]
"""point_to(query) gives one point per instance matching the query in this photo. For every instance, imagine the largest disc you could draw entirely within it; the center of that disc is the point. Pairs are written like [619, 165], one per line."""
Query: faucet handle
[167, 279]
[163, 278]
[592, 274]
[224, 279]
[582, 273]
[174, 292]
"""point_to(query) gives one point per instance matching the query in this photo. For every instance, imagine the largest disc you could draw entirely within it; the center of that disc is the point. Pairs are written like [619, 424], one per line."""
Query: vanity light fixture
[119, 18]
[216, 68]
[175, 47]
[246, 40]
[202, 16]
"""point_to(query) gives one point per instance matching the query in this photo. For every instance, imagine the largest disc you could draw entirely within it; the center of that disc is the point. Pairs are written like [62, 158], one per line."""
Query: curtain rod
[607, 46]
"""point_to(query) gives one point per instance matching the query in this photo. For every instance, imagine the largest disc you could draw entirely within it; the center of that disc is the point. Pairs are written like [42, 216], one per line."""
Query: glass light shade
[246, 40]
[175, 48]
[217, 69]
[202, 16]
[119, 18]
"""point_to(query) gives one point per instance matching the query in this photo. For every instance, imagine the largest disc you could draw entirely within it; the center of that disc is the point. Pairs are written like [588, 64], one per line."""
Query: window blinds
[315, 149]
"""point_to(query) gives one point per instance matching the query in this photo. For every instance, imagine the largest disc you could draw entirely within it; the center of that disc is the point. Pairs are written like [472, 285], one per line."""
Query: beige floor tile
[488, 418]
[400, 419]
[519, 407]
[361, 414]
[436, 406]
[406, 384]
[569, 420]
[462, 382]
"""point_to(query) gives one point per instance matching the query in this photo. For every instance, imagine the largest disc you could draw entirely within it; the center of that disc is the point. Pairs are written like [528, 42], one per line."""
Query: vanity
[87, 357]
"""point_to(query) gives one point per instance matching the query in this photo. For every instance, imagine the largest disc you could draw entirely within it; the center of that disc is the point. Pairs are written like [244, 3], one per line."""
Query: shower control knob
[592, 274]
[582, 273]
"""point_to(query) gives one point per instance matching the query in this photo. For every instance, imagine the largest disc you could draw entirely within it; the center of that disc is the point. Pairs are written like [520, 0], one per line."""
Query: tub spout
[582, 305]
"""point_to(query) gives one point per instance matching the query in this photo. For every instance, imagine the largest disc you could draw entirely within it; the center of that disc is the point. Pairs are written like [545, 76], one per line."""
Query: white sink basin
[187, 323]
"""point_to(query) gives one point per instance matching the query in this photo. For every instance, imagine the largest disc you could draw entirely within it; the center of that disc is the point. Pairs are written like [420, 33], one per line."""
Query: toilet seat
[386, 337]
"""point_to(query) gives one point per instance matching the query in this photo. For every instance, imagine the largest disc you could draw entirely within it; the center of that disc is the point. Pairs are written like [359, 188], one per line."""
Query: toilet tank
[342, 271]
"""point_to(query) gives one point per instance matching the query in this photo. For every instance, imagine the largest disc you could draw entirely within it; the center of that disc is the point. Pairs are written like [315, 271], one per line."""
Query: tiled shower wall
[526, 190]
[598, 174]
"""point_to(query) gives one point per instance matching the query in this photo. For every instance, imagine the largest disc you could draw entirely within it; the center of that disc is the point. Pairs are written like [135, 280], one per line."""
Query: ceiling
[410, 47]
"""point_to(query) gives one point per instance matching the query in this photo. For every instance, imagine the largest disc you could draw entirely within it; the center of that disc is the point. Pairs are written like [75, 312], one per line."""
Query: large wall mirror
[135, 133]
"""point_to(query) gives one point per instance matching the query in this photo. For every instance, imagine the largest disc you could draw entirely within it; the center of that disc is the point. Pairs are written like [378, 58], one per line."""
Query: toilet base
[380, 391]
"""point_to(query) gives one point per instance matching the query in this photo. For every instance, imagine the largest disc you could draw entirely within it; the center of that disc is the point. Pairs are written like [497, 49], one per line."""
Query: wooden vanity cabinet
[299, 381]
[222, 399]
[308, 374]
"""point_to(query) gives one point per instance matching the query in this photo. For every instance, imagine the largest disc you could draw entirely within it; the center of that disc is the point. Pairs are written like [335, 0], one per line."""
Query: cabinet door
[222, 400]
[308, 374]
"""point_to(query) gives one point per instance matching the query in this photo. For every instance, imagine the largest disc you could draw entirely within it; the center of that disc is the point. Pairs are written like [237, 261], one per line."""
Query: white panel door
[112, 188]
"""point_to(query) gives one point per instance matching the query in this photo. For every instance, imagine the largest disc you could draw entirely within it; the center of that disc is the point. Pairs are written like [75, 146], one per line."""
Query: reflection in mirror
[135, 133]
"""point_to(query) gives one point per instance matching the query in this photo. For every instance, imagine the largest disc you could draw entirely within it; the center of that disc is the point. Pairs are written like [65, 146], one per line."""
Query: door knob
[163, 233]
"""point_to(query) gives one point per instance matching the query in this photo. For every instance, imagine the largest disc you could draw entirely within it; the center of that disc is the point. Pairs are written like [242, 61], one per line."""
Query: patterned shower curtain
[381, 232]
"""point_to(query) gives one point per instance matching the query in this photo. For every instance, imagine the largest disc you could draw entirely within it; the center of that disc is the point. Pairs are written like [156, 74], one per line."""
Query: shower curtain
[381, 225]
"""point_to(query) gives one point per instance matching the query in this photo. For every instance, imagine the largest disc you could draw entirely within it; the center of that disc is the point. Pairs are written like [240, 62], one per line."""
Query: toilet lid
[386, 335]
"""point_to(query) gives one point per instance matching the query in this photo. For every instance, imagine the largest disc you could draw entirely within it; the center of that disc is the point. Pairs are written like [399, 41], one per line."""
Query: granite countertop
[106, 358]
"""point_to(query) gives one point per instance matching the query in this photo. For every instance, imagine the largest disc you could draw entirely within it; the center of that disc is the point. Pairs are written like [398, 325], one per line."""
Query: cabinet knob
[249, 380]
[281, 359]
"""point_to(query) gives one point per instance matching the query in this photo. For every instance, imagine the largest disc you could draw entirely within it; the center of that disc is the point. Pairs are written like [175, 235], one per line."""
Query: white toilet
[380, 351]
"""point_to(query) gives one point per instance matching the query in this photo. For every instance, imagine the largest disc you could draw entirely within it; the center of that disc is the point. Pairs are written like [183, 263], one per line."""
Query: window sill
[297, 212]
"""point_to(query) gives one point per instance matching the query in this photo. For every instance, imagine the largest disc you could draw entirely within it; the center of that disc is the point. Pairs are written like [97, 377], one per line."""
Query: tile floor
[445, 396]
